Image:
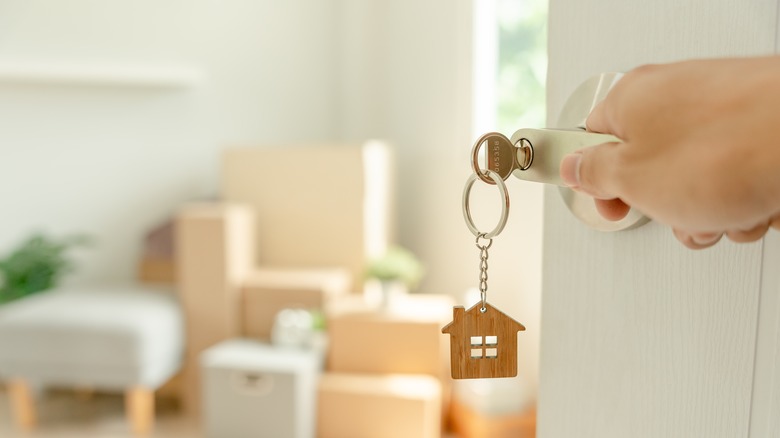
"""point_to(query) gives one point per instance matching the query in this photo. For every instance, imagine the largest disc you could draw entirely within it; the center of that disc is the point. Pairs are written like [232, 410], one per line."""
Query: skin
[701, 150]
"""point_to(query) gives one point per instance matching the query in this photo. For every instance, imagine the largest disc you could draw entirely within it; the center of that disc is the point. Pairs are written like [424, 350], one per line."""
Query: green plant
[396, 264]
[36, 265]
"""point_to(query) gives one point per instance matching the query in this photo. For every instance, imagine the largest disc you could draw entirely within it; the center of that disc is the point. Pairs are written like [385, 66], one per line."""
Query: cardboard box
[266, 291]
[157, 270]
[215, 252]
[316, 205]
[378, 406]
[468, 423]
[405, 339]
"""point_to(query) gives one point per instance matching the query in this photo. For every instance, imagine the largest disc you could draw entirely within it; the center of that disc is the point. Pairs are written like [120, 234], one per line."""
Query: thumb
[593, 170]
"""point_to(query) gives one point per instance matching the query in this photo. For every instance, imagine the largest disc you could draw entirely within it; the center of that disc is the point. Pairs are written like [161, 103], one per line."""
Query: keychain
[483, 340]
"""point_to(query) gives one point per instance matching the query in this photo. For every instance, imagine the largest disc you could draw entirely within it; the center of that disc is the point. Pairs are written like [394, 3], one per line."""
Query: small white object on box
[267, 291]
[251, 389]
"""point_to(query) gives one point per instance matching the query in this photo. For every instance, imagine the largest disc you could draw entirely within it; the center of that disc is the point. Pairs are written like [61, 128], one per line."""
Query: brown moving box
[378, 406]
[316, 205]
[266, 291]
[213, 257]
[157, 270]
[405, 340]
[467, 423]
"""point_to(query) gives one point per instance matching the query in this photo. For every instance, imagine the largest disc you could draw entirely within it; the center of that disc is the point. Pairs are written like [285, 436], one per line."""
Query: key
[501, 156]
[532, 154]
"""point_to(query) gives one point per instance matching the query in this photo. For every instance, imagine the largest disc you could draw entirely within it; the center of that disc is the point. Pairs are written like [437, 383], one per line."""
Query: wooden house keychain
[483, 340]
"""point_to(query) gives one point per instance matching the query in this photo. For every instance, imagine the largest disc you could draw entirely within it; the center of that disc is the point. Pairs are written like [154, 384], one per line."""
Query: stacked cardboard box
[376, 357]
[378, 406]
[468, 423]
[407, 340]
[266, 291]
[213, 257]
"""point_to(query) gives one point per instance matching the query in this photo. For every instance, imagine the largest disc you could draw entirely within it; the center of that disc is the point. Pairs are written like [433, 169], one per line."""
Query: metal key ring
[475, 157]
[504, 205]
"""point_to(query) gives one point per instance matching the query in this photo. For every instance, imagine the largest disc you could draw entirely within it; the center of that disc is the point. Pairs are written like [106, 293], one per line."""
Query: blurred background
[144, 144]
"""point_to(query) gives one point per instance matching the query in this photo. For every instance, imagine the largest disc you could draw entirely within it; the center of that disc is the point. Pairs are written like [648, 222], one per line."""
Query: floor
[65, 414]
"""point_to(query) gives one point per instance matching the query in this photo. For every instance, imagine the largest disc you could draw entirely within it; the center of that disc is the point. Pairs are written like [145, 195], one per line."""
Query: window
[510, 59]
[479, 346]
[522, 64]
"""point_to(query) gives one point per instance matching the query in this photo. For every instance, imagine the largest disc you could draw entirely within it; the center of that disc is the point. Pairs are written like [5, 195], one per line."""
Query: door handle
[549, 146]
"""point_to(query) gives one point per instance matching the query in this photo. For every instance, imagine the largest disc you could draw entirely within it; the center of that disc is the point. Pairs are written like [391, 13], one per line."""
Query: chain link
[483, 268]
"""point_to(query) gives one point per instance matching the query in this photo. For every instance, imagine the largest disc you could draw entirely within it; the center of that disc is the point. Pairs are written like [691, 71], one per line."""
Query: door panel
[765, 413]
[640, 336]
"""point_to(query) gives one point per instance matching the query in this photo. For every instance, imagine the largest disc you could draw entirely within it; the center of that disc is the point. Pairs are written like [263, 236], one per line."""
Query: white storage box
[256, 390]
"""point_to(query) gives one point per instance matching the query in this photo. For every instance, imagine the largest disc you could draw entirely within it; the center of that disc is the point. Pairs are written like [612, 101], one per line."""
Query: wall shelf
[97, 75]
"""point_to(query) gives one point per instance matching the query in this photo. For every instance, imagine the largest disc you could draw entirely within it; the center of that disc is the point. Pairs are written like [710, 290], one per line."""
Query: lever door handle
[549, 148]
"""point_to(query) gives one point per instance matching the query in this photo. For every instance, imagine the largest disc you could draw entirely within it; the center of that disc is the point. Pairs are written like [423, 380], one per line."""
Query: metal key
[501, 156]
[533, 154]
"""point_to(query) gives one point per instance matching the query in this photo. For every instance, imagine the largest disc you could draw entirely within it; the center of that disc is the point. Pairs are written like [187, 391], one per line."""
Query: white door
[640, 336]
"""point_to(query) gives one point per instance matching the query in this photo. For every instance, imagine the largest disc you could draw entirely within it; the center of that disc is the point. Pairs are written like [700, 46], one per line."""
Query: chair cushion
[104, 338]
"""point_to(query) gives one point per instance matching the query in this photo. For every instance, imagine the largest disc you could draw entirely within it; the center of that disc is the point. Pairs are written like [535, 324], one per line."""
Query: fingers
[750, 235]
[612, 209]
[775, 222]
[593, 170]
[609, 115]
[598, 121]
[706, 240]
[697, 240]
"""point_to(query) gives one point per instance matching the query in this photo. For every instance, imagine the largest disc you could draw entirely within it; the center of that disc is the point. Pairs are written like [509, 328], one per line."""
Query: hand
[701, 150]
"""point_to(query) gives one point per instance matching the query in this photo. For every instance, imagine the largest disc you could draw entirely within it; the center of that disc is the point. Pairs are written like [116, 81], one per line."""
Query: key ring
[497, 154]
[504, 205]
[475, 161]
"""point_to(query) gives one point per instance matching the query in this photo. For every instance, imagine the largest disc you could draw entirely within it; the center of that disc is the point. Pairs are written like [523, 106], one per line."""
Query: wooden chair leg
[22, 404]
[139, 408]
[84, 393]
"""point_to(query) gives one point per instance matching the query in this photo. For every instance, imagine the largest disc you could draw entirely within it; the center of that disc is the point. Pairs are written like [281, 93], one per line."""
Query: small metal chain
[483, 269]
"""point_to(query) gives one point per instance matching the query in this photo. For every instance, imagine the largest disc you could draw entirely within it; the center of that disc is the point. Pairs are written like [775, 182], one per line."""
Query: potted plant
[397, 271]
[36, 265]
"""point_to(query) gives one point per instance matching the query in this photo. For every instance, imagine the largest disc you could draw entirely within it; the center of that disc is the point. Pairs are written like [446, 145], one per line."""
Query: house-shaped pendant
[483, 344]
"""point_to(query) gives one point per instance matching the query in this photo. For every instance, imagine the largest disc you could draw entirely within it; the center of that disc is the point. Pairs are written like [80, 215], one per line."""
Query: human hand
[700, 151]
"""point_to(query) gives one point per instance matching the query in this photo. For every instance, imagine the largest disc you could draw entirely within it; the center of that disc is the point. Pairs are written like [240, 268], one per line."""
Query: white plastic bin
[251, 389]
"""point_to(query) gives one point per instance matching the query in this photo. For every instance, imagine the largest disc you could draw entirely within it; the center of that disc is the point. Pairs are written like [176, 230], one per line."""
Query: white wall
[408, 76]
[113, 160]
[414, 90]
